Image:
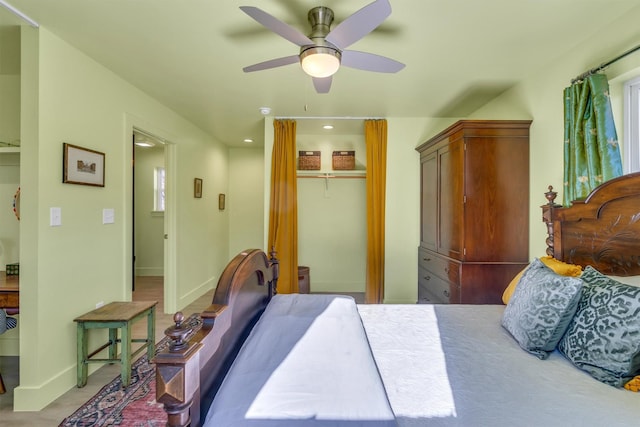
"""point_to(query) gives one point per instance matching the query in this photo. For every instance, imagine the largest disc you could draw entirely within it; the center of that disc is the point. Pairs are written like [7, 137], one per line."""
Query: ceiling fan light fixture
[320, 61]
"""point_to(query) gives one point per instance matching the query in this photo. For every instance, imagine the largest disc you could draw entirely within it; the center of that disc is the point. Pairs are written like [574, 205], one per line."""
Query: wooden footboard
[190, 372]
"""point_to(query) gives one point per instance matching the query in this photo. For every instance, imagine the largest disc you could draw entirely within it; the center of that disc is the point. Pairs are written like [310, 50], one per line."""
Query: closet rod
[327, 118]
[363, 176]
[604, 65]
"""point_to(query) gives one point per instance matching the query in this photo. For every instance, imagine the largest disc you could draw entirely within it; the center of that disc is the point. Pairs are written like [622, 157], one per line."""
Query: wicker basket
[343, 160]
[13, 269]
[308, 160]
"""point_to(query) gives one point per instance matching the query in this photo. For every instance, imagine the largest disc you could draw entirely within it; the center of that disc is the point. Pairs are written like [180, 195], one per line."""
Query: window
[158, 198]
[631, 143]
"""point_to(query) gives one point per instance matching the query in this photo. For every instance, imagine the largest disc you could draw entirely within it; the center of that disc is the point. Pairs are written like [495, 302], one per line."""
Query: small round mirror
[16, 204]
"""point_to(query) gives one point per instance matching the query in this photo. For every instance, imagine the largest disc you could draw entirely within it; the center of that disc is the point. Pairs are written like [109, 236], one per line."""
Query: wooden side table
[115, 315]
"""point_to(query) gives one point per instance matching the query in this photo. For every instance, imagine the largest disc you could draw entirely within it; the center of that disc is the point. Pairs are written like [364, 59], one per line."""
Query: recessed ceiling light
[248, 140]
[328, 127]
[144, 144]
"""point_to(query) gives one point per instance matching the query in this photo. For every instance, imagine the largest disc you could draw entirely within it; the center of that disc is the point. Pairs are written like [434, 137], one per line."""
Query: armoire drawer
[432, 288]
[428, 298]
[441, 267]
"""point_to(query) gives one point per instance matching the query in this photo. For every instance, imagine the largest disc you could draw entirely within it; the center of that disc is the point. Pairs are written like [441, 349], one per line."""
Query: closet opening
[332, 207]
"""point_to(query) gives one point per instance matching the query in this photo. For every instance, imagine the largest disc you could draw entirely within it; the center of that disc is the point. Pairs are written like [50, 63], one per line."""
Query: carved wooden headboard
[602, 231]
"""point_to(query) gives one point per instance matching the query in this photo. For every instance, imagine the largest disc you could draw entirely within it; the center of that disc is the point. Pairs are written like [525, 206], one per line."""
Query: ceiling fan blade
[277, 26]
[370, 62]
[322, 85]
[272, 63]
[359, 24]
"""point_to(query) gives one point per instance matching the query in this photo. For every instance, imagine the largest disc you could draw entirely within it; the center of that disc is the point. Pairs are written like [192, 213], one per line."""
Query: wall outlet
[99, 304]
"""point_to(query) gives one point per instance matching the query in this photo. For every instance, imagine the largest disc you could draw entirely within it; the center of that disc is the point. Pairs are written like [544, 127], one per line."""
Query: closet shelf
[332, 174]
[9, 150]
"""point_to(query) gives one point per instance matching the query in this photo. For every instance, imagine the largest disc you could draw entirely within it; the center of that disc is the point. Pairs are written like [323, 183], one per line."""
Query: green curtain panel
[591, 149]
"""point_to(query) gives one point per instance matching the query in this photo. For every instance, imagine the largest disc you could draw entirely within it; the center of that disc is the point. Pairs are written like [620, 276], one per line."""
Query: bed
[255, 358]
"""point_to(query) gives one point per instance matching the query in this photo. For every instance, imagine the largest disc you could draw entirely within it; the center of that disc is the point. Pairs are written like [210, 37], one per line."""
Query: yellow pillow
[557, 266]
[633, 384]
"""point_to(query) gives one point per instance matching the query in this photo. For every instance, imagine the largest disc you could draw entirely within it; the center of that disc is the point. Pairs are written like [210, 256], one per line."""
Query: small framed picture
[221, 201]
[197, 188]
[82, 166]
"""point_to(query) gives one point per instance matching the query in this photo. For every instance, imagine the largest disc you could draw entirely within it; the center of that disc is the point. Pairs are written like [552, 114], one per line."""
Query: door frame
[169, 288]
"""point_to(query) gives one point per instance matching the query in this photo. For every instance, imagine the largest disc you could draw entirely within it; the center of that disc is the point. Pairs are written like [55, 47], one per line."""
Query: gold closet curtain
[283, 207]
[375, 132]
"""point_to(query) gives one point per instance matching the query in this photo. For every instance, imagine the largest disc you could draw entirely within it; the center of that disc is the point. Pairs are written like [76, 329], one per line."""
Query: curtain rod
[327, 118]
[604, 65]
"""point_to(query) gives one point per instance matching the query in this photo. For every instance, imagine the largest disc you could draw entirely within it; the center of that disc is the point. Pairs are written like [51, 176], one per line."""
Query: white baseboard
[149, 271]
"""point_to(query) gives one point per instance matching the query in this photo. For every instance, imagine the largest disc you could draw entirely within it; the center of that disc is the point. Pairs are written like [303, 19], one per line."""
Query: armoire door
[429, 200]
[451, 187]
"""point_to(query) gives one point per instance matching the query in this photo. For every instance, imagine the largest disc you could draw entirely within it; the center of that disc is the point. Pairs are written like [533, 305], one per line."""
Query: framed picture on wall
[82, 166]
[197, 188]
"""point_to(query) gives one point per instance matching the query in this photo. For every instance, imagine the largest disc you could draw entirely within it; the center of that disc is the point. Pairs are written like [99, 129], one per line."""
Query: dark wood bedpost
[547, 218]
[177, 375]
[275, 268]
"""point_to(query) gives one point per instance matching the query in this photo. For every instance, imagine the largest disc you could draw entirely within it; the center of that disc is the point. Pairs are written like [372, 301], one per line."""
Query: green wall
[149, 225]
[244, 199]
[332, 233]
[66, 270]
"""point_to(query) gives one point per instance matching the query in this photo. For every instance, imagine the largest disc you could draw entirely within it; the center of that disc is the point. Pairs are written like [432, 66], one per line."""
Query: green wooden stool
[115, 315]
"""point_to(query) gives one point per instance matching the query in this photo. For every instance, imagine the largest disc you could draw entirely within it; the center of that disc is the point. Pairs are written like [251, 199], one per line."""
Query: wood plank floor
[147, 289]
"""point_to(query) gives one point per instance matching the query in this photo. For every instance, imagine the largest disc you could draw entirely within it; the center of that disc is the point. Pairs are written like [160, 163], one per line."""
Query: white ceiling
[189, 54]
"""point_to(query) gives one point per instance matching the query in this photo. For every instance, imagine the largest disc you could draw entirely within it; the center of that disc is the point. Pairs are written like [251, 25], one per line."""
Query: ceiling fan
[324, 50]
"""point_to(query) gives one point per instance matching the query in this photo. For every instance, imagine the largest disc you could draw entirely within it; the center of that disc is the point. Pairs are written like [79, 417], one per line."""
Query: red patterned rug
[134, 406]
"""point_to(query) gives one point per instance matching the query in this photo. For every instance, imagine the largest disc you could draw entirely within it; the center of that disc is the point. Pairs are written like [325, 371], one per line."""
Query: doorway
[332, 207]
[149, 207]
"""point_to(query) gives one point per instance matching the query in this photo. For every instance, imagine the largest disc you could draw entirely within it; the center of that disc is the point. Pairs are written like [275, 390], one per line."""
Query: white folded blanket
[306, 362]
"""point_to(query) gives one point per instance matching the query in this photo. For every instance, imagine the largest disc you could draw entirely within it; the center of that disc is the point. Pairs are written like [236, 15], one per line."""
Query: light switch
[55, 217]
[108, 216]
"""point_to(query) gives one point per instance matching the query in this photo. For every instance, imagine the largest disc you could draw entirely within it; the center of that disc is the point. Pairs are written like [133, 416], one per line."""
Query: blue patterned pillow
[541, 308]
[604, 336]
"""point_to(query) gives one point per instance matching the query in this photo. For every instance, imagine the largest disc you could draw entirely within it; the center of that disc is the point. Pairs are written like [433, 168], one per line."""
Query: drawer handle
[446, 270]
[446, 293]
[427, 277]
[426, 259]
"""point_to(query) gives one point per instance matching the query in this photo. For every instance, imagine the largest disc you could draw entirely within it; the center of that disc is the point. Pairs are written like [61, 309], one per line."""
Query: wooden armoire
[474, 234]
